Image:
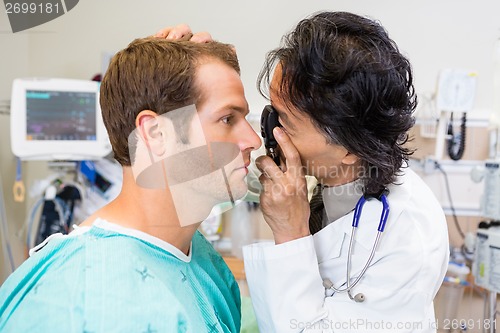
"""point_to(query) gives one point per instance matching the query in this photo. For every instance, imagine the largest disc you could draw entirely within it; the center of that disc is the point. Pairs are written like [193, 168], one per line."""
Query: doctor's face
[329, 163]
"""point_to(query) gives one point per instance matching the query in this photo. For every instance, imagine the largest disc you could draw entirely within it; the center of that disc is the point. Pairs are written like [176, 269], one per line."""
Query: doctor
[345, 98]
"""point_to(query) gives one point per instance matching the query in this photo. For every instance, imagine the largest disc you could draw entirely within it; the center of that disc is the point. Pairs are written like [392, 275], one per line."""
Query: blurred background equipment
[59, 121]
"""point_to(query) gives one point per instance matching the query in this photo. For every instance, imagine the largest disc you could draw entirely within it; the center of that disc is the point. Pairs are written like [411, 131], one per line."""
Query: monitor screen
[60, 115]
[54, 119]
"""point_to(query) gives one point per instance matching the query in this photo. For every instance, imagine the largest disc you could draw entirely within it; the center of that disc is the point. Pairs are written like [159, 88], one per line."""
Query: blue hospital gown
[109, 280]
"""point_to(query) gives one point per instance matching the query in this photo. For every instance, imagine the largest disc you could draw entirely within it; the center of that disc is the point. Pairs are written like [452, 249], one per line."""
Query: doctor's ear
[350, 159]
[149, 126]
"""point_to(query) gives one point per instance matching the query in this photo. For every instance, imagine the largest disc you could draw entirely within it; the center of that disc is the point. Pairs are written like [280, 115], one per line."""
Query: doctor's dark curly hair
[348, 76]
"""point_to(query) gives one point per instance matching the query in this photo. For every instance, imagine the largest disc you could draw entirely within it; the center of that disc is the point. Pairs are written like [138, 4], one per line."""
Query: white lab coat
[286, 280]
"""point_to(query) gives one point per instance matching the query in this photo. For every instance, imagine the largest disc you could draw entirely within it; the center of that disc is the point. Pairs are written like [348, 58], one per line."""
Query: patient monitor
[57, 119]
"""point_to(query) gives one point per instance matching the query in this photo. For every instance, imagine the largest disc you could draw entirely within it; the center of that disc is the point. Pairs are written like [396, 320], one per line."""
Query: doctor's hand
[283, 199]
[183, 32]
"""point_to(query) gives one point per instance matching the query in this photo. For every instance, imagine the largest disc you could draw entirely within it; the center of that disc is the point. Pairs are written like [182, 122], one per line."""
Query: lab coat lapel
[328, 241]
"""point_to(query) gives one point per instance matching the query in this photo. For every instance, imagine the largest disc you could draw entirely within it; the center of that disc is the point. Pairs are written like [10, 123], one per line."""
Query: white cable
[427, 116]
[49, 195]
[60, 213]
[5, 230]
[31, 220]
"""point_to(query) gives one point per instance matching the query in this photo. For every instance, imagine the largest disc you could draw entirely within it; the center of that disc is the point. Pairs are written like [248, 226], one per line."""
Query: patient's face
[222, 113]
[211, 165]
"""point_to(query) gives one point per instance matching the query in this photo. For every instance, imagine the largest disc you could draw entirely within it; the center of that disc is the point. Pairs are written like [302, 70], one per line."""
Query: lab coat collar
[340, 200]
[328, 241]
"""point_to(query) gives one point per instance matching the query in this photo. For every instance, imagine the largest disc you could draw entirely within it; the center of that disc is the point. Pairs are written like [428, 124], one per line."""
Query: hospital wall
[433, 34]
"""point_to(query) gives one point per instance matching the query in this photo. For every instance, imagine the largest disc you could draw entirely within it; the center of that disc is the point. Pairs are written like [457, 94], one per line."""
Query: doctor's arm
[285, 286]
[285, 302]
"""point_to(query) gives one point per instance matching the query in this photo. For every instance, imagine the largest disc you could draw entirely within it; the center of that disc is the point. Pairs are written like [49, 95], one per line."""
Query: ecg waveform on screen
[60, 115]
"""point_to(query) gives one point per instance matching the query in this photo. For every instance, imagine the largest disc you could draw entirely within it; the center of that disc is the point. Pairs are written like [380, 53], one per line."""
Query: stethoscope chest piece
[329, 291]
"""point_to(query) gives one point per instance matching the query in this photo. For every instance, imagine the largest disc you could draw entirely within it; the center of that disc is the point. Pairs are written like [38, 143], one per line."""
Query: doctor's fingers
[177, 32]
[272, 195]
[283, 191]
[266, 183]
[202, 37]
[290, 152]
[268, 168]
[183, 32]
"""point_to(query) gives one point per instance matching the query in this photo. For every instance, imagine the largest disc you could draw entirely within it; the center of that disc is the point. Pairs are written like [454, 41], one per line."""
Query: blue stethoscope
[360, 297]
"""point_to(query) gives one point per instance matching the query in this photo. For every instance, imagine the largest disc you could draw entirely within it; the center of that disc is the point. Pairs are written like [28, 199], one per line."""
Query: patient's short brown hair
[153, 74]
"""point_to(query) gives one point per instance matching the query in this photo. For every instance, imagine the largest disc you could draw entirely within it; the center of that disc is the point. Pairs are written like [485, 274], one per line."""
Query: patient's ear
[148, 125]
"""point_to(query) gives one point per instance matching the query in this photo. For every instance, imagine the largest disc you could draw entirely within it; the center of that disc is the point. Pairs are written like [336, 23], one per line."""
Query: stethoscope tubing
[381, 227]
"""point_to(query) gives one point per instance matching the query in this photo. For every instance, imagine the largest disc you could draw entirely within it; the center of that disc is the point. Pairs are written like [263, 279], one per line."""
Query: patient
[175, 114]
